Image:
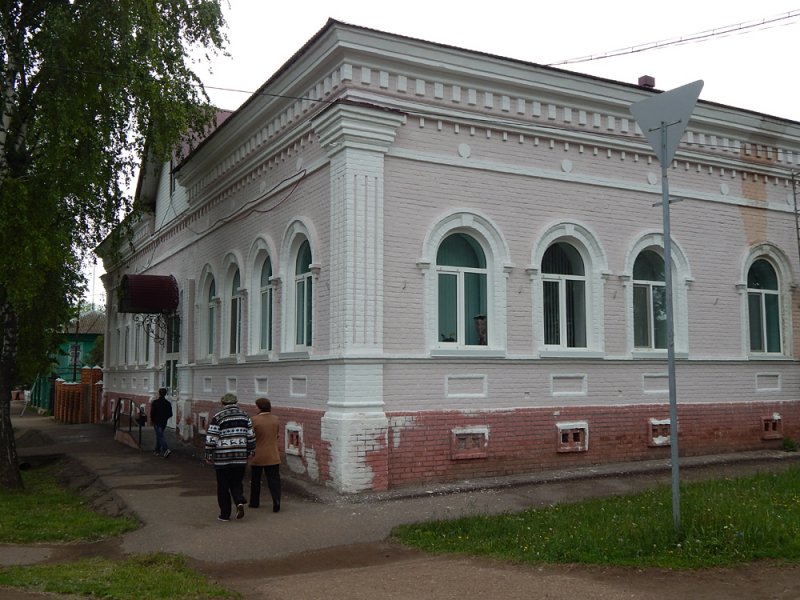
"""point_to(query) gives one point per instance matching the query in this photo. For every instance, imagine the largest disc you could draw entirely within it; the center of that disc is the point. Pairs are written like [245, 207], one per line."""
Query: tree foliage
[86, 85]
[96, 355]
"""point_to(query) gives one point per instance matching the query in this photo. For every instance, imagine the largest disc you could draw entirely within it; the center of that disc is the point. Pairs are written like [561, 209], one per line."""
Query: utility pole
[76, 347]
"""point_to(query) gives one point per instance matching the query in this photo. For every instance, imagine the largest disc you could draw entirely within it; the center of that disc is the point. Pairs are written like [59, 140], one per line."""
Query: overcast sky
[753, 66]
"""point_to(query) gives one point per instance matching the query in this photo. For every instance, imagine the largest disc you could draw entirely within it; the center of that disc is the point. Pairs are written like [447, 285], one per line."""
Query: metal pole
[673, 402]
[74, 348]
[796, 216]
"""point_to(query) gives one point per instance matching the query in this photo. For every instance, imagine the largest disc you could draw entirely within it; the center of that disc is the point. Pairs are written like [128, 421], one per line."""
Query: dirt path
[385, 570]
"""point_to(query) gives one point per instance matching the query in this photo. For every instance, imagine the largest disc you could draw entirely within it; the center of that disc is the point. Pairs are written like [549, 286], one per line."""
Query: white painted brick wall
[523, 181]
[350, 438]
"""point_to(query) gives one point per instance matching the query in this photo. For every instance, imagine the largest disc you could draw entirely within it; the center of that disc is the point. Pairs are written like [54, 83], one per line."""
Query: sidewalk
[176, 501]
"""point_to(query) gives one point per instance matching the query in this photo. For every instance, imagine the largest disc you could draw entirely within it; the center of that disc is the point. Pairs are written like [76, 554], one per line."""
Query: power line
[743, 28]
[693, 38]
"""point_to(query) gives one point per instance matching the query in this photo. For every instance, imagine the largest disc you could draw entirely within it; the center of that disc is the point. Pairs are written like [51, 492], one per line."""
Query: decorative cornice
[357, 126]
[511, 102]
[349, 58]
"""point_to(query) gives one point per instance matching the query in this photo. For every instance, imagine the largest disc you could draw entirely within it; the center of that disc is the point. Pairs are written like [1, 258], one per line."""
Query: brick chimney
[646, 81]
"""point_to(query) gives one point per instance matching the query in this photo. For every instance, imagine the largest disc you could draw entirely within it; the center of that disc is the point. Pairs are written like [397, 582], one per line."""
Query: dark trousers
[229, 485]
[161, 440]
[273, 483]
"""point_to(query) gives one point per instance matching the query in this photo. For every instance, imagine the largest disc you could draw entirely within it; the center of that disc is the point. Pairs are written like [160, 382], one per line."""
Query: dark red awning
[148, 294]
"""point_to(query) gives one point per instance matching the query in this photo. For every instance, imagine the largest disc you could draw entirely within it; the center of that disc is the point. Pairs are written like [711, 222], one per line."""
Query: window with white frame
[126, 344]
[303, 296]
[137, 335]
[173, 337]
[567, 271]
[649, 301]
[564, 297]
[235, 306]
[265, 300]
[465, 277]
[210, 317]
[461, 292]
[763, 307]
[172, 348]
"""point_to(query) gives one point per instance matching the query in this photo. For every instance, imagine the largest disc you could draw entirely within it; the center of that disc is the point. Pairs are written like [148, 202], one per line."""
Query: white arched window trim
[261, 250]
[208, 310]
[681, 281]
[596, 269]
[780, 262]
[233, 304]
[296, 233]
[498, 264]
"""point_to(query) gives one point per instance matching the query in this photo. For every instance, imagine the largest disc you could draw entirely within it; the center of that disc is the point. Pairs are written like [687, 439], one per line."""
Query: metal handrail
[118, 416]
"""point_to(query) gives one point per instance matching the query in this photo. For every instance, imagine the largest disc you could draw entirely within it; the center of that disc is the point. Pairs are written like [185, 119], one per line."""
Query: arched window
[303, 297]
[763, 307]
[172, 349]
[127, 343]
[137, 336]
[564, 297]
[235, 314]
[462, 303]
[265, 329]
[210, 317]
[649, 301]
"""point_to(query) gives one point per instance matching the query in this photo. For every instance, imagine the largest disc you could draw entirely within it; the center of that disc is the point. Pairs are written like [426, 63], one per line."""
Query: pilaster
[356, 428]
[356, 139]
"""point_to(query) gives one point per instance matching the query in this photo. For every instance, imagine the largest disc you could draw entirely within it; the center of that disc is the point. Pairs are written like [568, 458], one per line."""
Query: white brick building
[442, 264]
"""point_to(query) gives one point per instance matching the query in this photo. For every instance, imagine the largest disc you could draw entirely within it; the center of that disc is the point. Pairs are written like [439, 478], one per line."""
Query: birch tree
[86, 85]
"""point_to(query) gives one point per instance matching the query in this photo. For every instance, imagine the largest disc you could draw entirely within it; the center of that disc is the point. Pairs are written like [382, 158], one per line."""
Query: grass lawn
[723, 523]
[47, 512]
[141, 577]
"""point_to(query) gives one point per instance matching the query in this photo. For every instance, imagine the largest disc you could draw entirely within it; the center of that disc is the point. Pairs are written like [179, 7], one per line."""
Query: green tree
[96, 354]
[87, 87]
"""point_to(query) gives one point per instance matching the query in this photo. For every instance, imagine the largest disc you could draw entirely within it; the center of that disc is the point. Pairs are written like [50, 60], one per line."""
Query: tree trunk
[9, 465]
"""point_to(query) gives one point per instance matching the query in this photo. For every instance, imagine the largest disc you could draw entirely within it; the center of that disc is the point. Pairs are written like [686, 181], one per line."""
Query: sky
[752, 67]
[748, 58]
